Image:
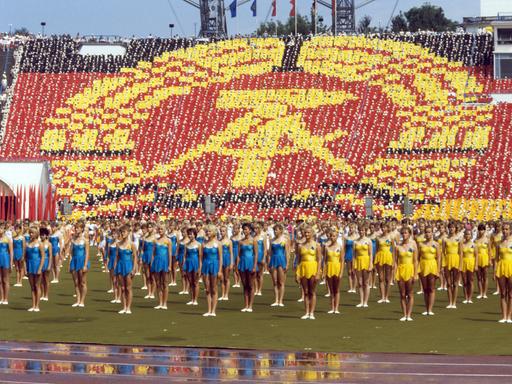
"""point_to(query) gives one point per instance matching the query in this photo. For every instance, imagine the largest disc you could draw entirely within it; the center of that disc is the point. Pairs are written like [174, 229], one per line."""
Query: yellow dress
[504, 265]
[384, 255]
[308, 266]
[428, 260]
[452, 254]
[495, 240]
[333, 265]
[443, 253]
[420, 239]
[362, 257]
[405, 267]
[483, 254]
[468, 258]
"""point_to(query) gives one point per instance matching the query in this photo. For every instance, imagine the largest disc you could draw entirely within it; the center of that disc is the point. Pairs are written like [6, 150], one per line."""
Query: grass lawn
[470, 329]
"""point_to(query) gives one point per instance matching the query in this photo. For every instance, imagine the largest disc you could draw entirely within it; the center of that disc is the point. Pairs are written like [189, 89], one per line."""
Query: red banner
[293, 11]
[274, 8]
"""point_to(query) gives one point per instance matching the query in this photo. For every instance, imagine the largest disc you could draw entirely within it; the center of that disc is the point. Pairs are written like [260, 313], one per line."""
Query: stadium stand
[280, 127]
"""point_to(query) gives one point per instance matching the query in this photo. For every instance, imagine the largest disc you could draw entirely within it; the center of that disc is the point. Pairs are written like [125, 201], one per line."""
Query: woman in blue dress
[47, 265]
[261, 238]
[148, 249]
[192, 260]
[248, 265]
[210, 270]
[124, 267]
[6, 260]
[173, 237]
[34, 259]
[278, 265]
[227, 262]
[235, 240]
[161, 266]
[111, 252]
[18, 244]
[180, 255]
[79, 264]
[57, 243]
[349, 255]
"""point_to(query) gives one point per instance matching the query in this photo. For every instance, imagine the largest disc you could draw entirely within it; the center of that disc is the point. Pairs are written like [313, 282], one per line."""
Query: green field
[471, 329]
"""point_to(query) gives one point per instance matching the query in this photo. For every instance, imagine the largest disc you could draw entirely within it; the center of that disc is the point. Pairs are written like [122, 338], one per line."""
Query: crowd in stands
[268, 123]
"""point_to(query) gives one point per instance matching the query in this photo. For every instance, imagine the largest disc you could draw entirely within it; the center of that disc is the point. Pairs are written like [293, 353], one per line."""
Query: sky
[144, 17]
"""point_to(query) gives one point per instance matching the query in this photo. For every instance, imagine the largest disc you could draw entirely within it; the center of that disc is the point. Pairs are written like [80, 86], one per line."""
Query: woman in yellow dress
[504, 272]
[468, 254]
[333, 261]
[406, 259]
[453, 264]
[308, 270]
[441, 237]
[429, 268]
[496, 238]
[363, 265]
[384, 261]
[483, 250]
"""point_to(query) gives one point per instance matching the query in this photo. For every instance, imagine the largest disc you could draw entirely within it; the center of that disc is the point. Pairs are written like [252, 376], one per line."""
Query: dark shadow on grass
[190, 313]
[285, 317]
[480, 320]
[59, 320]
[382, 318]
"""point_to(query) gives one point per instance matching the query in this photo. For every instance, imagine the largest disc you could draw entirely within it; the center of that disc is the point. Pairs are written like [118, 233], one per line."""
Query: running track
[81, 363]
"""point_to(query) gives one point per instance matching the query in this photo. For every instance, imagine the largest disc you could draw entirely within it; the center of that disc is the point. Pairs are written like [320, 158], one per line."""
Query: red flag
[2, 205]
[333, 7]
[293, 10]
[274, 8]
[54, 206]
[9, 207]
[32, 203]
[40, 203]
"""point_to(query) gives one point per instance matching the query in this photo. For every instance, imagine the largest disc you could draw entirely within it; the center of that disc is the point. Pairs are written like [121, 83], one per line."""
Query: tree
[22, 31]
[364, 25]
[428, 18]
[399, 23]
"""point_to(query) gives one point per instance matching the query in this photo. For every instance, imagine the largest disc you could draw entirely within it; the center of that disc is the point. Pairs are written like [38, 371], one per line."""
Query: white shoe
[173, 284]
[381, 301]
[36, 309]
[190, 302]
[182, 293]
[403, 318]
[305, 317]
[195, 303]
[54, 281]
[220, 299]
[409, 318]
[158, 307]
[248, 310]
[496, 293]
[118, 301]
[5, 302]
[152, 296]
[300, 300]
[137, 274]
[311, 317]
[213, 315]
[128, 312]
[110, 290]
[431, 313]
[259, 294]
[365, 305]
[164, 307]
[113, 301]
[479, 296]
[122, 311]
[336, 312]
[274, 304]
[484, 296]
[464, 302]
[30, 310]
[25, 278]
[509, 321]
[75, 305]
[360, 305]
[449, 306]
[470, 301]
[18, 285]
[454, 306]
[81, 305]
[44, 299]
[330, 312]
[440, 288]
[243, 310]
[425, 313]
[419, 292]
[206, 314]
[502, 321]
[281, 304]
[327, 294]
[387, 301]
[144, 288]
[147, 296]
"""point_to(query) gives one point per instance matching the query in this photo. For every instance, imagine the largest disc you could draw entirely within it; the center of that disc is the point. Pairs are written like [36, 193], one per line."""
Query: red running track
[82, 363]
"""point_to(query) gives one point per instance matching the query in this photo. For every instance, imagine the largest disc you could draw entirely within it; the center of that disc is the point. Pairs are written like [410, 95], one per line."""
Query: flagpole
[295, 17]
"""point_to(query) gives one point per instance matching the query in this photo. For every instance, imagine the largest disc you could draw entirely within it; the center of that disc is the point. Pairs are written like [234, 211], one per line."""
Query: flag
[2, 205]
[292, 10]
[232, 8]
[333, 7]
[274, 8]
[253, 8]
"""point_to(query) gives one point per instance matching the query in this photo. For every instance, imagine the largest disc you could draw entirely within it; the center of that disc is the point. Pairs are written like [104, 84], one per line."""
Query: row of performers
[398, 253]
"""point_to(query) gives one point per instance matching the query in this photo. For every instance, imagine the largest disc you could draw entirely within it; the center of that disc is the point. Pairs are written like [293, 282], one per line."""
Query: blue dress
[33, 257]
[147, 253]
[161, 260]
[226, 256]
[55, 242]
[5, 258]
[261, 251]
[374, 248]
[181, 253]
[349, 250]
[17, 249]
[124, 265]
[174, 244]
[246, 262]
[234, 245]
[46, 263]
[192, 260]
[112, 254]
[108, 241]
[278, 258]
[200, 239]
[77, 262]
[210, 261]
